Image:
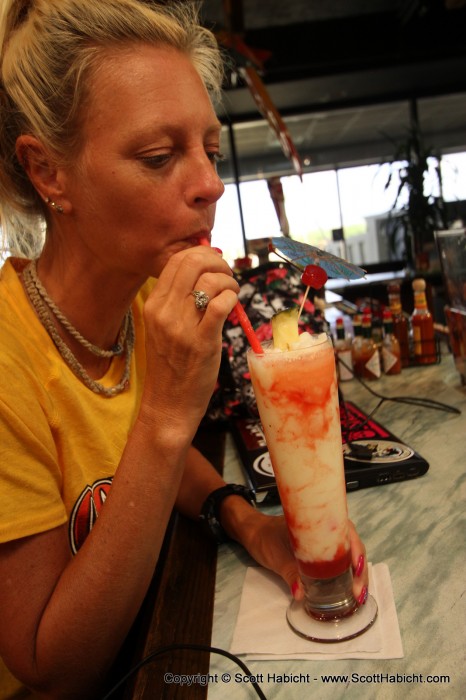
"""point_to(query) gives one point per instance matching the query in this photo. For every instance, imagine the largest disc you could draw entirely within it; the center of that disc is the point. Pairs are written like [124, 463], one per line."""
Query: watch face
[211, 507]
[215, 526]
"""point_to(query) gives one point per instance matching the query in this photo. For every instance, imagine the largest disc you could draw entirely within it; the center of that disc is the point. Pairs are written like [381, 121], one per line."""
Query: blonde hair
[48, 48]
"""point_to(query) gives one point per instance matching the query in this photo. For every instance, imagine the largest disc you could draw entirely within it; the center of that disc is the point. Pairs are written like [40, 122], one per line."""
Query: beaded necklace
[46, 309]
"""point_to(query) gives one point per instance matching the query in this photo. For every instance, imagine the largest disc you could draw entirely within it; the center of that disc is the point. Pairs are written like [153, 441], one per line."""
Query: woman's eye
[159, 160]
[215, 157]
[156, 161]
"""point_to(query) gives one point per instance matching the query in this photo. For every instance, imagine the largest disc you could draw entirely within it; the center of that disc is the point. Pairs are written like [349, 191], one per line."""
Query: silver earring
[56, 207]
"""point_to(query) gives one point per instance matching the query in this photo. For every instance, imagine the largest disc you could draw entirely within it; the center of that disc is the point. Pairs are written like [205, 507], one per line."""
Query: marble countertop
[417, 527]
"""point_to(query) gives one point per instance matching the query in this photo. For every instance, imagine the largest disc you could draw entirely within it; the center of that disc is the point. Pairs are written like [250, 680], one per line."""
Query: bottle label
[345, 372]
[420, 301]
[373, 364]
[417, 338]
[389, 359]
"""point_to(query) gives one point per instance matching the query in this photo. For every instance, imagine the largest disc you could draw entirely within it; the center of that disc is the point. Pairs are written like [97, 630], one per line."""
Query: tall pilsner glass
[297, 398]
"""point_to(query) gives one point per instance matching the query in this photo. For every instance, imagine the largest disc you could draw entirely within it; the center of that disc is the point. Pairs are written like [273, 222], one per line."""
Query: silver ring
[201, 299]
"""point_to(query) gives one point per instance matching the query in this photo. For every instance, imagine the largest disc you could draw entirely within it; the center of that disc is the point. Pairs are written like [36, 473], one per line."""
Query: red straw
[248, 329]
[243, 319]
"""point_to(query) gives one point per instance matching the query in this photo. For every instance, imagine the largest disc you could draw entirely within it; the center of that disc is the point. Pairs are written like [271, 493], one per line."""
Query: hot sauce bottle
[356, 344]
[422, 324]
[400, 322]
[343, 353]
[391, 358]
[367, 363]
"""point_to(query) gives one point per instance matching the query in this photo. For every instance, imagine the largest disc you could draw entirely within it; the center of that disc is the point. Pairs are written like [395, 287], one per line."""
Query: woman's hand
[183, 343]
[266, 539]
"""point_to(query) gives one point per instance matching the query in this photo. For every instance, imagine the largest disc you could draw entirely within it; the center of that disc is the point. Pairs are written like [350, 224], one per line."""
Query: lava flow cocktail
[297, 398]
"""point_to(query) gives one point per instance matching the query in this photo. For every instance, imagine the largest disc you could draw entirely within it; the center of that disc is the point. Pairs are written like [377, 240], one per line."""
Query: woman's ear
[40, 166]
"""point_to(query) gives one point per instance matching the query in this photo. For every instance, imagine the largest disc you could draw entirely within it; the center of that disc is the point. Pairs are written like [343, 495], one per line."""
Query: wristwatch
[210, 512]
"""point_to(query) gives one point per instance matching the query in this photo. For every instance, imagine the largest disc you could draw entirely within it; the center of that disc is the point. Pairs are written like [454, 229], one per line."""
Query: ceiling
[344, 74]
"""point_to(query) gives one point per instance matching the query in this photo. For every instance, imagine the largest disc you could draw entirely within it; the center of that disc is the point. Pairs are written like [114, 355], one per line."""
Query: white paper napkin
[262, 632]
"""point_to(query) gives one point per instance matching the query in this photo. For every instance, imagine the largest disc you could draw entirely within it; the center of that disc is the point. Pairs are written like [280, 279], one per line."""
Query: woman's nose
[206, 186]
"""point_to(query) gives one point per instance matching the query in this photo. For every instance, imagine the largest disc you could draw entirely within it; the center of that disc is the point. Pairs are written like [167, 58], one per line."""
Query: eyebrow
[156, 131]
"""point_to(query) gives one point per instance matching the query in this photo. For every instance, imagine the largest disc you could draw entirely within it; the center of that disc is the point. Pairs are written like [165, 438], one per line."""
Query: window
[367, 193]
[453, 167]
[346, 154]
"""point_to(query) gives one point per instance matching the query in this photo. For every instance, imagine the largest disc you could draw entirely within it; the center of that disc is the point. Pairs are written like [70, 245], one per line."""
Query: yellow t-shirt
[60, 443]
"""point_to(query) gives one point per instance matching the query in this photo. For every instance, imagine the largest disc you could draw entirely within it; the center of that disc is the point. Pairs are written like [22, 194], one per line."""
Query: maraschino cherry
[314, 276]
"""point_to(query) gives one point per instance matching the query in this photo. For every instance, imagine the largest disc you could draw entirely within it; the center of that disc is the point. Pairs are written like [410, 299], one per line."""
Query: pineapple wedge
[285, 328]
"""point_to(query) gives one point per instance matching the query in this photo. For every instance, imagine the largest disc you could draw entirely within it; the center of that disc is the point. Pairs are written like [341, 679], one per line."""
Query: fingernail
[217, 250]
[294, 588]
[360, 566]
[363, 596]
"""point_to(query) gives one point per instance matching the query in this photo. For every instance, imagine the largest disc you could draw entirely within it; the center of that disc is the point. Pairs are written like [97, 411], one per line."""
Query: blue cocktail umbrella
[301, 255]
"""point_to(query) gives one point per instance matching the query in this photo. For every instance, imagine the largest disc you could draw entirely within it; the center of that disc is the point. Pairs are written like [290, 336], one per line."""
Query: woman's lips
[200, 239]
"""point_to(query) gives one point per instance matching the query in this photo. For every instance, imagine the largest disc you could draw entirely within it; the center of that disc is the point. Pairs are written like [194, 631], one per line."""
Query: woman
[109, 137]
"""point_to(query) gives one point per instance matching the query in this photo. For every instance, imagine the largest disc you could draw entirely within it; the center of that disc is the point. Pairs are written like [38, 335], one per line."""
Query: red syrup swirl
[327, 569]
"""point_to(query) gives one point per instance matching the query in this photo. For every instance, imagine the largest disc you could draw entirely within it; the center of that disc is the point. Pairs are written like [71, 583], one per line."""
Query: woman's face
[145, 183]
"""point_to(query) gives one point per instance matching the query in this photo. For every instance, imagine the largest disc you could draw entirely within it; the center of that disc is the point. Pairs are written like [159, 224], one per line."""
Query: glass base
[330, 631]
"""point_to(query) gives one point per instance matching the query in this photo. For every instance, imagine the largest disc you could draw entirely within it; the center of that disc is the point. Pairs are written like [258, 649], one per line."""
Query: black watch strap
[210, 512]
